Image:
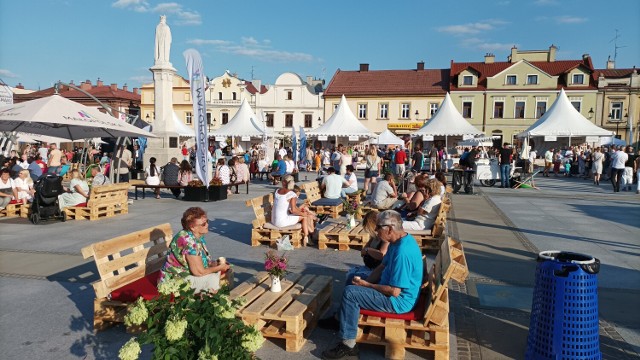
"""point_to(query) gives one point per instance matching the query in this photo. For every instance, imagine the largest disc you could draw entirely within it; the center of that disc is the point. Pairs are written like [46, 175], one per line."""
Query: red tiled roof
[389, 82]
[252, 88]
[104, 92]
[613, 73]
[484, 71]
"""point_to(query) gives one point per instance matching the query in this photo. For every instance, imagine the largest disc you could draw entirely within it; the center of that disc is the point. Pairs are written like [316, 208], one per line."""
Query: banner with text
[550, 138]
[197, 80]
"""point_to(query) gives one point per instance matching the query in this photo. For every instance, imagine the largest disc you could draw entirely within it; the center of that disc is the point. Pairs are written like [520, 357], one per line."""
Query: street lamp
[319, 120]
[616, 121]
[590, 113]
[417, 114]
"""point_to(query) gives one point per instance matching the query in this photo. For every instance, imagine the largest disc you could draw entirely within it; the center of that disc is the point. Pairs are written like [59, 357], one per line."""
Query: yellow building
[400, 100]
[618, 102]
[505, 98]
[181, 96]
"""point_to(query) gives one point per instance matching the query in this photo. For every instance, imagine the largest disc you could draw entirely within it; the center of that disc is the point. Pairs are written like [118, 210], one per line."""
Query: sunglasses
[378, 227]
[203, 224]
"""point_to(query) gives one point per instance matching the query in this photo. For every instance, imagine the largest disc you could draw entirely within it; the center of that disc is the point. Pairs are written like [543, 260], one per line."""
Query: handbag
[370, 262]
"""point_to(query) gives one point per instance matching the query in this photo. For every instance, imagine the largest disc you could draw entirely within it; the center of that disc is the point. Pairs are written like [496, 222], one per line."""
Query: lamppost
[319, 120]
[591, 112]
[417, 114]
[613, 119]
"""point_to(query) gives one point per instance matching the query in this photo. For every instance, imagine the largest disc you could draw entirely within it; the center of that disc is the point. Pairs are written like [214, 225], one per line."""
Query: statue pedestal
[163, 148]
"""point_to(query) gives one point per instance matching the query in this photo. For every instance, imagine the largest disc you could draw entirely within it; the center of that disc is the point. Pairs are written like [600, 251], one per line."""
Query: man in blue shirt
[280, 170]
[393, 286]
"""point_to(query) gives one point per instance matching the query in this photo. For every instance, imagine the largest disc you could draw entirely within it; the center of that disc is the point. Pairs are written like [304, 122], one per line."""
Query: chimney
[20, 86]
[420, 65]
[125, 87]
[489, 58]
[364, 67]
[610, 63]
[514, 55]
[552, 53]
[135, 90]
[585, 57]
[114, 87]
[71, 82]
[86, 85]
[100, 82]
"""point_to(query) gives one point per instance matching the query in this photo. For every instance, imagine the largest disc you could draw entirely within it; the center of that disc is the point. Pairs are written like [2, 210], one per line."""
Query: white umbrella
[60, 117]
[31, 138]
[387, 138]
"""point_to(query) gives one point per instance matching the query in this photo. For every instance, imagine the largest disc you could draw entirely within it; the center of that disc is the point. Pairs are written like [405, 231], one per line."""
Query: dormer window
[532, 79]
[511, 80]
[578, 79]
[467, 80]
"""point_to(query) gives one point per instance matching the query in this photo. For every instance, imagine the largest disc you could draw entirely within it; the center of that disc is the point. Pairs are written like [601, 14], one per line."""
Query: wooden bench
[427, 327]
[263, 231]
[144, 186]
[15, 209]
[104, 201]
[290, 314]
[430, 240]
[312, 189]
[240, 183]
[124, 263]
[338, 235]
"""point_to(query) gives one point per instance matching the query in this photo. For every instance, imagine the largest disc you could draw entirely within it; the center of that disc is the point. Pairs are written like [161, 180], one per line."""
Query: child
[317, 160]
[567, 166]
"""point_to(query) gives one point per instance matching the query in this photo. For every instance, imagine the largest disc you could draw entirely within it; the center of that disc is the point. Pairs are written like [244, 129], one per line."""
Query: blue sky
[48, 40]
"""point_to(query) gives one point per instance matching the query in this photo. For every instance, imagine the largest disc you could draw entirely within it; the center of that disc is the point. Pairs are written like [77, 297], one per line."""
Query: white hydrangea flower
[175, 328]
[130, 351]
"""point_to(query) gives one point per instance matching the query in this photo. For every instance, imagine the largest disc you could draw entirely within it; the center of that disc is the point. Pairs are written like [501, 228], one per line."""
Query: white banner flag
[197, 79]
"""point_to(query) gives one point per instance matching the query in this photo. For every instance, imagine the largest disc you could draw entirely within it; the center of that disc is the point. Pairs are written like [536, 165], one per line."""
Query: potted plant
[217, 191]
[195, 191]
[352, 209]
[183, 325]
[276, 266]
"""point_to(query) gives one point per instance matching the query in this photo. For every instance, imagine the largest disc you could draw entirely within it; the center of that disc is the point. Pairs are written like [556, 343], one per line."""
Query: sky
[43, 41]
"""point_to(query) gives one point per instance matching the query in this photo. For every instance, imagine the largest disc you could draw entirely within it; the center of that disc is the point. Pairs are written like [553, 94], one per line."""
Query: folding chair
[528, 181]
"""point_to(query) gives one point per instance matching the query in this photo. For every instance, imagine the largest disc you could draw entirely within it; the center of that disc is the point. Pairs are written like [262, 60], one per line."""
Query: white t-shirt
[290, 165]
[333, 186]
[8, 185]
[618, 159]
[548, 156]
[382, 192]
[532, 155]
[353, 181]
[282, 152]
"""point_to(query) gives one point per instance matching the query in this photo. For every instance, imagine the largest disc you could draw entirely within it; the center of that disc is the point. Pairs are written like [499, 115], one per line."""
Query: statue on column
[163, 41]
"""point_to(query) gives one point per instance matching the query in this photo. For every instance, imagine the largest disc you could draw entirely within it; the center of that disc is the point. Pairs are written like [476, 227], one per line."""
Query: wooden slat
[309, 295]
[120, 243]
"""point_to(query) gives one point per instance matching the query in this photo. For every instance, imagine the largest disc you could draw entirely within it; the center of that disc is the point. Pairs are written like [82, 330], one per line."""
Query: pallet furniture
[15, 209]
[104, 201]
[339, 235]
[129, 267]
[290, 314]
[263, 232]
[430, 240]
[315, 200]
[427, 326]
[144, 186]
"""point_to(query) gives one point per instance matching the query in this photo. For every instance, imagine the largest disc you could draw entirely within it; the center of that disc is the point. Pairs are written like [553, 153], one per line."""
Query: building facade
[504, 98]
[618, 102]
[398, 100]
[181, 97]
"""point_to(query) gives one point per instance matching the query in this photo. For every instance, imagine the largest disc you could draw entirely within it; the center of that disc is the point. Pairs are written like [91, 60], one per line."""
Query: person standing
[532, 160]
[418, 160]
[627, 177]
[372, 170]
[506, 156]
[44, 152]
[548, 162]
[55, 160]
[618, 160]
[597, 158]
[124, 163]
[433, 159]
[185, 152]
[636, 169]
[400, 160]
[137, 156]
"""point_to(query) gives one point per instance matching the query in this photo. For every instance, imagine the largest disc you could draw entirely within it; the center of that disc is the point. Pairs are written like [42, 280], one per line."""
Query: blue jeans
[505, 172]
[361, 271]
[355, 298]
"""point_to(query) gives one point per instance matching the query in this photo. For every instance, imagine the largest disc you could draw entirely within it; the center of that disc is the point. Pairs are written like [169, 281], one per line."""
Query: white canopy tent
[447, 121]
[387, 138]
[479, 141]
[563, 120]
[244, 123]
[342, 123]
[182, 129]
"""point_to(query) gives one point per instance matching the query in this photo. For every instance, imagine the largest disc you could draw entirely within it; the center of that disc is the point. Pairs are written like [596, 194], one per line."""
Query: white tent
[342, 123]
[479, 141]
[447, 121]
[387, 138]
[182, 129]
[244, 123]
[564, 120]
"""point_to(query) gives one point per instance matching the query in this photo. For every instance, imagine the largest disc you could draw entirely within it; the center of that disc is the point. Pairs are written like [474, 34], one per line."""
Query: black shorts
[368, 174]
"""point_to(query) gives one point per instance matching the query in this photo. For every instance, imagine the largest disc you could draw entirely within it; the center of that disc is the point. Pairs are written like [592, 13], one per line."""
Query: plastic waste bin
[564, 311]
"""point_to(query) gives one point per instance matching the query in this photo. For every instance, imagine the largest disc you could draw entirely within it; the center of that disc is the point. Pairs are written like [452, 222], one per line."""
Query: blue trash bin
[564, 311]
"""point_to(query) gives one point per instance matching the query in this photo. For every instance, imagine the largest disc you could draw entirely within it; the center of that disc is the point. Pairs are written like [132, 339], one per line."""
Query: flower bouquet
[216, 181]
[195, 183]
[276, 266]
[182, 325]
[351, 207]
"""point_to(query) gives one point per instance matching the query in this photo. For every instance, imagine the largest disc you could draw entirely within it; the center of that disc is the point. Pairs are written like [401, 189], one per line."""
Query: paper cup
[222, 260]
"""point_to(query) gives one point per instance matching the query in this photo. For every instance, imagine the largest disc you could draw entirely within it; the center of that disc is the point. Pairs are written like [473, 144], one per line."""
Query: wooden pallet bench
[339, 236]
[104, 201]
[291, 314]
[15, 209]
[428, 327]
[430, 240]
[263, 231]
[312, 189]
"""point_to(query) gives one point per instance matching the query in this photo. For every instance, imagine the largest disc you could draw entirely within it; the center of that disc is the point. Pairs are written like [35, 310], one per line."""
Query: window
[466, 109]
[467, 80]
[532, 79]
[335, 106]
[616, 111]
[189, 118]
[288, 120]
[519, 110]
[187, 96]
[289, 95]
[308, 120]
[541, 108]
[384, 111]
[362, 111]
[578, 78]
[234, 95]
[576, 102]
[404, 111]
[433, 108]
[498, 109]
[269, 120]
[208, 118]
[225, 118]
[220, 96]
[511, 80]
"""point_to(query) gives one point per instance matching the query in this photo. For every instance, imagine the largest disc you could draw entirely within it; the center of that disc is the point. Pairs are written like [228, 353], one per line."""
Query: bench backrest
[111, 194]
[312, 189]
[262, 206]
[440, 222]
[127, 258]
[450, 263]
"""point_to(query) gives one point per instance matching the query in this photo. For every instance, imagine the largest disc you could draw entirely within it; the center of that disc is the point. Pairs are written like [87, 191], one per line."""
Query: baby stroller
[45, 201]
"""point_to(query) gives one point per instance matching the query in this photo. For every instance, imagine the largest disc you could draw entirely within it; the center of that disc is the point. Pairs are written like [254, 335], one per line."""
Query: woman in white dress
[285, 211]
[597, 158]
[76, 193]
[153, 175]
[24, 186]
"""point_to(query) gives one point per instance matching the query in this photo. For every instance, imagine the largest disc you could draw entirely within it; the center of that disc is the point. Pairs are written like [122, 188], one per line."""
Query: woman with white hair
[286, 212]
[24, 186]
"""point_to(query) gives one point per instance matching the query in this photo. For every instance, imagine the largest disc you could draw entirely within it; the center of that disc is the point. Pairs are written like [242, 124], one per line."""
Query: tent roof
[447, 122]
[388, 138]
[244, 123]
[181, 128]
[342, 123]
[563, 119]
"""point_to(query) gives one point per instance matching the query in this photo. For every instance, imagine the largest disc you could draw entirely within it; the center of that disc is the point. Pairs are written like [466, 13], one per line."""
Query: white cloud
[208, 42]
[567, 19]
[472, 28]
[142, 79]
[250, 41]
[135, 5]
[168, 8]
[483, 45]
[252, 47]
[7, 73]
[183, 16]
[545, 2]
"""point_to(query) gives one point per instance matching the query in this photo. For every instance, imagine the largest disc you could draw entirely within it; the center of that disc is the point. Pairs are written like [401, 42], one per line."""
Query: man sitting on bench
[332, 184]
[279, 171]
[393, 287]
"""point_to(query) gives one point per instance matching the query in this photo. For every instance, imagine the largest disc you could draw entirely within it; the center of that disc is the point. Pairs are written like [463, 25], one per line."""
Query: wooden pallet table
[337, 234]
[290, 314]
